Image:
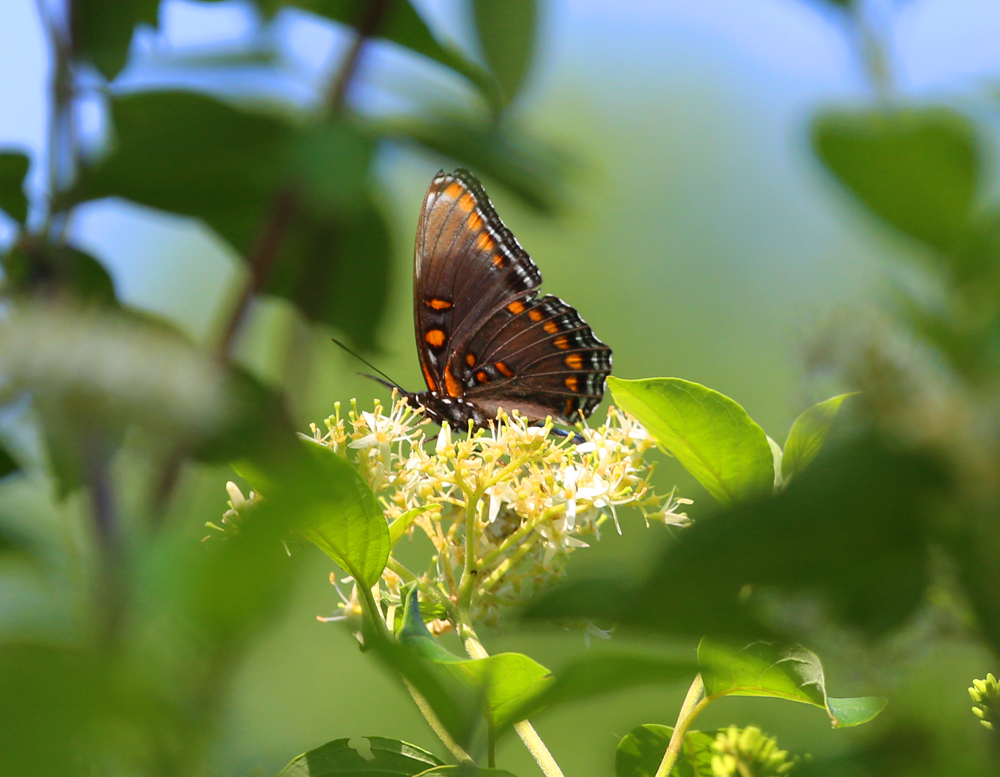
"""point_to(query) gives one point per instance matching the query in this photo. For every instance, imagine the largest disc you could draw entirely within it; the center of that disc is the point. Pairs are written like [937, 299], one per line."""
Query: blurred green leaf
[918, 169]
[261, 183]
[336, 269]
[780, 671]
[41, 270]
[193, 155]
[102, 30]
[601, 674]
[808, 434]
[507, 36]
[533, 173]
[850, 528]
[13, 168]
[374, 756]
[50, 697]
[641, 751]
[710, 434]
[8, 464]
[400, 23]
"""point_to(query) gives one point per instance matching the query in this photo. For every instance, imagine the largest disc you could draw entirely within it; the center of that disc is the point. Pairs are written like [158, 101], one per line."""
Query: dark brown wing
[467, 267]
[538, 356]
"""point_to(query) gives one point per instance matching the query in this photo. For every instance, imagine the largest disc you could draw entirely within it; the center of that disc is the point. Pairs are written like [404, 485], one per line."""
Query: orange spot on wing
[470, 359]
[484, 242]
[498, 260]
[467, 202]
[437, 304]
[435, 337]
[572, 383]
[574, 361]
[535, 314]
[503, 368]
[451, 385]
[482, 377]
[454, 189]
[561, 342]
[475, 221]
[516, 307]
[551, 327]
[429, 380]
[570, 407]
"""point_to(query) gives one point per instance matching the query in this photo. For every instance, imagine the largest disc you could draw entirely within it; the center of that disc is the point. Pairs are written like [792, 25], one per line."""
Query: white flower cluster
[533, 497]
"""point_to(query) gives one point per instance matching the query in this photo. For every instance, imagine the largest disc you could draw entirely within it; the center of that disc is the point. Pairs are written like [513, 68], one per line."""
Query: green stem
[508, 564]
[522, 531]
[693, 704]
[468, 582]
[432, 720]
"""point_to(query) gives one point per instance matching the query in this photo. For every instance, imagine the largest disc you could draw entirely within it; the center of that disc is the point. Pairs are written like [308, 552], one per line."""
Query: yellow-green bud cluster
[986, 695]
[748, 753]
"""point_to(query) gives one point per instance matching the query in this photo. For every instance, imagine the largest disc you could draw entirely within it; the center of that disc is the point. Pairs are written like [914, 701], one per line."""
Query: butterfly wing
[482, 331]
[467, 265]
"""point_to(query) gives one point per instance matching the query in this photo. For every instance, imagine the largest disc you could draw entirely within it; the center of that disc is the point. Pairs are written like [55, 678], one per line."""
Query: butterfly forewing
[484, 336]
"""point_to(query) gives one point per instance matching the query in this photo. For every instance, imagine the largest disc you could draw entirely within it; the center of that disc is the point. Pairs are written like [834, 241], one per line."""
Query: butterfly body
[486, 338]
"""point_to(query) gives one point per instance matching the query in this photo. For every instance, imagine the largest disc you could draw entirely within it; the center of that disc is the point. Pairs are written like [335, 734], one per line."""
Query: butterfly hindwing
[486, 339]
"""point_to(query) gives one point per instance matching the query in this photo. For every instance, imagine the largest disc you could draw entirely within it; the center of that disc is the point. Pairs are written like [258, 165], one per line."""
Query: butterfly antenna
[388, 382]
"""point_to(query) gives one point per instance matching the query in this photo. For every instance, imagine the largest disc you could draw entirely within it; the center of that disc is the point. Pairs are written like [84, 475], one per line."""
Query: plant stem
[432, 720]
[524, 729]
[693, 704]
[508, 564]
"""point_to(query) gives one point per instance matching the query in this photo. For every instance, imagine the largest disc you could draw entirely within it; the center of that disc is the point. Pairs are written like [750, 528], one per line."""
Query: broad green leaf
[401, 24]
[918, 169]
[710, 434]
[329, 163]
[465, 770]
[507, 682]
[398, 527]
[601, 674]
[507, 36]
[13, 169]
[641, 751]
[344, 519]
[781, 671]
[40, 270]
[850, 529]
[373, 756]
[533, 173]
[102, 30]
[808, 434]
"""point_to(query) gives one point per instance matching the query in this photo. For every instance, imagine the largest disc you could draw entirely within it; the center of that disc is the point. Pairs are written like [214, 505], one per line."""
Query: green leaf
[8, 464]
[398, 527]
[13, 169]
[780, 671]
[329, 163]
[851, 529]
[343, 518]
[374, 756]
[601, 674]
[507, 36]
[530, 171]
[102, 30]
[41, 270]
[508, 682]
[710, 434]
[465, 770]
[401, 24]
[808, 434]
[917, 169]
[641, 751]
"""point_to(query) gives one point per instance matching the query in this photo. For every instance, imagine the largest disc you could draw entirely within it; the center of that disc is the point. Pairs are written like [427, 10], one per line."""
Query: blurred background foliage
[780, 199]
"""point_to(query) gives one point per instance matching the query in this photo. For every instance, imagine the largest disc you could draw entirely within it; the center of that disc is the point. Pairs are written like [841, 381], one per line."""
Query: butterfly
[486, 338]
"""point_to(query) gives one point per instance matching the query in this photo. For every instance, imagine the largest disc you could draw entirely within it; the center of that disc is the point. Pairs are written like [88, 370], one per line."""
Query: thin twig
[690, 709]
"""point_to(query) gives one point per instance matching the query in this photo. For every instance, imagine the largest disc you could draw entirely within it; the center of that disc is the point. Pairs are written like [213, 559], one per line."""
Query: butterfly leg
[577, 437]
